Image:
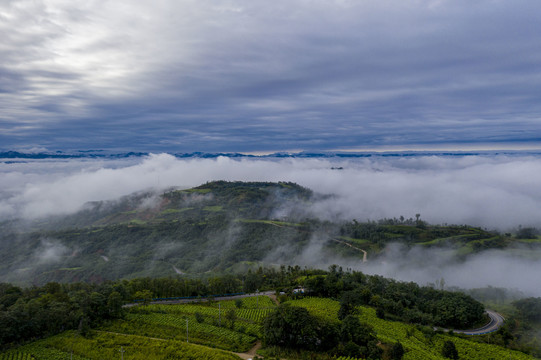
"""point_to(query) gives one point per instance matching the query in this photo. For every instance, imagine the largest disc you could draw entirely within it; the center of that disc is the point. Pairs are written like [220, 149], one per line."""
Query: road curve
[496, 322]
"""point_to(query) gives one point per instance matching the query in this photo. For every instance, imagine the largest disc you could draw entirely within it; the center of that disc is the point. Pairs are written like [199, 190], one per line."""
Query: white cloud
[495, 192]
[490, 268]
[490, 191]
[50, 250]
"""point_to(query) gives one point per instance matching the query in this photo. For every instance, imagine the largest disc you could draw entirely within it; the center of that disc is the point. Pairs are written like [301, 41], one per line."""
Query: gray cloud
[253, 75]
[516, 270]
[50, 250]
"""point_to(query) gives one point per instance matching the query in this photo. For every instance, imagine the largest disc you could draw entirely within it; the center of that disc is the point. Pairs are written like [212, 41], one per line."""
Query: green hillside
[303, 313]
[160, 332]
[219, 226]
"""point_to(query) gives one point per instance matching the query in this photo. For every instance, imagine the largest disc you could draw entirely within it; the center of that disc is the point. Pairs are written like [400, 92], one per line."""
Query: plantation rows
[247, 318]
[221, 335]
[320, 307]
[16, 356]
[253, 302]
[256, 315]
[249, 315]
[42, 351]
[145, 329]
[107, 346]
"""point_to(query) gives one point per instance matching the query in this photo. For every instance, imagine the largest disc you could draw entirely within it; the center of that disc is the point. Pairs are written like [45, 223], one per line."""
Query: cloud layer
[255, 75]
[499, 192]
[491, 191]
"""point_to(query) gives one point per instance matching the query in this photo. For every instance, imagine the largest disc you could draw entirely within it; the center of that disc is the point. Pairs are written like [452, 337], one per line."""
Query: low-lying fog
[494, 192]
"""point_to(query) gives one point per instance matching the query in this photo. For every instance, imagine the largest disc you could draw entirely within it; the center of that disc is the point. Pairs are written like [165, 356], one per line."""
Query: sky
[263, 76]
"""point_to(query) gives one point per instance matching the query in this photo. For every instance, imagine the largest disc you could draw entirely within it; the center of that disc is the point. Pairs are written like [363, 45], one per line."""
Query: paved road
[496, 321]
[219, 298]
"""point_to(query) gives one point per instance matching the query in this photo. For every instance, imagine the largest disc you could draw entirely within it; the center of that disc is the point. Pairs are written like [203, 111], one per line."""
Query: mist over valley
[159, 215]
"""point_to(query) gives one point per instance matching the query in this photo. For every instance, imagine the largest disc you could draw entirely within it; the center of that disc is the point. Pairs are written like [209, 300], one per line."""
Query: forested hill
[259, 200]
[218, 226]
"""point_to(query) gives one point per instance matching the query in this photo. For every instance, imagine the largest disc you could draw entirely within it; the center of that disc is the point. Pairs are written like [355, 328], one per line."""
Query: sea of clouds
[495, 192]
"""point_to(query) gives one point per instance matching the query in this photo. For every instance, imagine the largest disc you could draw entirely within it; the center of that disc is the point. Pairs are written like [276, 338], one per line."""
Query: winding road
[496, 321]
[353, 247]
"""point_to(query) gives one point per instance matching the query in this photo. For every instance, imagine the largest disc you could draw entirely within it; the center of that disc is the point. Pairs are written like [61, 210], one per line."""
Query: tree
[84, 327]
[449, 350]
[290, 326]
[114, 304]
[97, 306]
[527, 233]
[238, 303]
[397, 351]
[353, 331]
[350, 300]
[231, 316]
[529, 308]
[199, 317]
[144, 295]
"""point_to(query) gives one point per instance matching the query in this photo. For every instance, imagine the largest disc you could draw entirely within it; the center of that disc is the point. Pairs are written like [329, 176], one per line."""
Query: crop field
[100, 345]
[16, 356]
[159, 332]
[206, 332]
[208, 323]
[418, 345]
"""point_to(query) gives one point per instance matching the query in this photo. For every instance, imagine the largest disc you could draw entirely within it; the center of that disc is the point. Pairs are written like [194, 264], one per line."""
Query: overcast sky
[257, 76]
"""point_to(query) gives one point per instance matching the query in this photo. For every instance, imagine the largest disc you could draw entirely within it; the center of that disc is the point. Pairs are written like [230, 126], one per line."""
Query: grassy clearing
[268, 222]
[137, 222]
[355, 241]
[175, 211]
[198, 191]
[214, 208]
[529, 241]
[438, 241]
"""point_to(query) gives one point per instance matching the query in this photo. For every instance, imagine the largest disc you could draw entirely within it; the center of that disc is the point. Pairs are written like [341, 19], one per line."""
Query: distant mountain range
[81, 154]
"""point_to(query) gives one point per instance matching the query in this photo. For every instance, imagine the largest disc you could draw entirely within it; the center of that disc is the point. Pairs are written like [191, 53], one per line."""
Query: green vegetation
[419, 342]
[213, 208]
[341, 324]
[101, 345]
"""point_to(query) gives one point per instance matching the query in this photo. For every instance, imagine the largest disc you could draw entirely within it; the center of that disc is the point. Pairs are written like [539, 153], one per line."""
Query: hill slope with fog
[218, 226]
